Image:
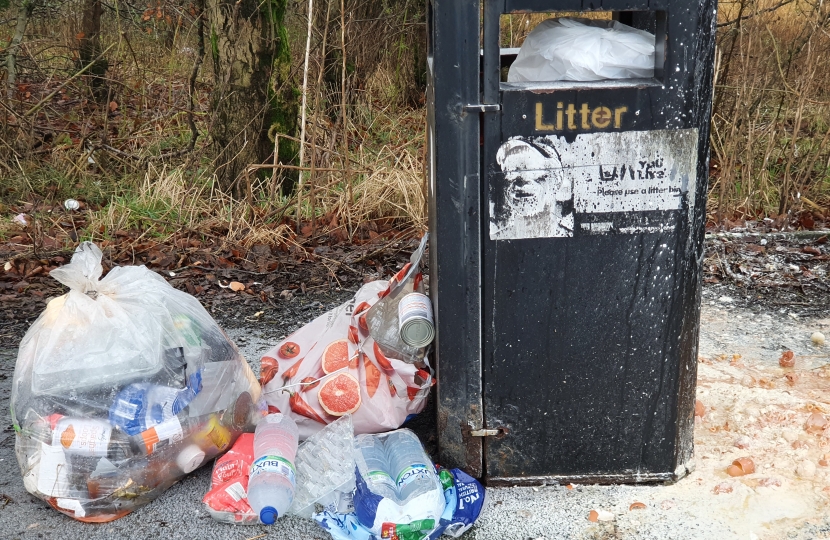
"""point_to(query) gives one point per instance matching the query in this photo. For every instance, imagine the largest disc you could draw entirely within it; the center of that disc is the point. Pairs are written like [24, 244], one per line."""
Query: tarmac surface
[685, 510]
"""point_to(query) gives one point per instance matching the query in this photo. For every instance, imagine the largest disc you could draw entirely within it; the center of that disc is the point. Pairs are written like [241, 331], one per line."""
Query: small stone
[816, 423]
[600, 515]
[743, 442]
[790, 435]
[787, 359]
[806, 469]
[818, 339]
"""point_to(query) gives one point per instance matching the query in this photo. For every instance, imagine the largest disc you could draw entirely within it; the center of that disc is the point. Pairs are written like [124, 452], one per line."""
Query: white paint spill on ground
[749, 400]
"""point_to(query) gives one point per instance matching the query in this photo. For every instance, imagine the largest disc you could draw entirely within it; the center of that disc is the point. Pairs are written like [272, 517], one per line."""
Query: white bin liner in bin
[583, 50]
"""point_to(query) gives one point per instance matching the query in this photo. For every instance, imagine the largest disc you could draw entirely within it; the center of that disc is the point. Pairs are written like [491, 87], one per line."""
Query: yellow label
[214, 434]
[566, 117]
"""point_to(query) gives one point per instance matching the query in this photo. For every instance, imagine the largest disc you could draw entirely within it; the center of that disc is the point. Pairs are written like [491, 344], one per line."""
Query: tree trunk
[244, 43]
[89, 49]
[23, 14]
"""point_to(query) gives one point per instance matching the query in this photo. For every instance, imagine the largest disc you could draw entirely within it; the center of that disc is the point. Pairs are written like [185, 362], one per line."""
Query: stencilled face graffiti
[536, 199]
[597, 183]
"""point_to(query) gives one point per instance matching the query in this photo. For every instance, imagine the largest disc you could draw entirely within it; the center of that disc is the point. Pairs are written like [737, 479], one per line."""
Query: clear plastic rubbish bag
[121, 386]
[583, 50]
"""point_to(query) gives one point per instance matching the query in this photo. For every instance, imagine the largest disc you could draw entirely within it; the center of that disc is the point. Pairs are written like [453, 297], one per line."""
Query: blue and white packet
[472, 500]
[140, 406]
[343, 526]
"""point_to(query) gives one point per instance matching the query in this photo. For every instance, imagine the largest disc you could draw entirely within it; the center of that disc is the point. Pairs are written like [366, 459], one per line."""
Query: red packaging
[236, 462]
[228, 495]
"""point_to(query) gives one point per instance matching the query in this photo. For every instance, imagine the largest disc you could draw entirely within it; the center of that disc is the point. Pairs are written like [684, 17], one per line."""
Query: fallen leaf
[570, 486]
[792, 378]
[700, 409]
[741, 467]
[80, 35]
[800, 444]
[824, 460]
[787, 359]
[637, 506]
[236, 286]
[113, 106]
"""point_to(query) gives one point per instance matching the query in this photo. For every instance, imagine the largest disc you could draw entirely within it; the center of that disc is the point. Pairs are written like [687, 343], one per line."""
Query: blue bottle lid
[268, 515]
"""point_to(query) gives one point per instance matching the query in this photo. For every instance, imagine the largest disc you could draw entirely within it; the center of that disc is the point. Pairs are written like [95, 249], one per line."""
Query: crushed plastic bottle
[325, 469]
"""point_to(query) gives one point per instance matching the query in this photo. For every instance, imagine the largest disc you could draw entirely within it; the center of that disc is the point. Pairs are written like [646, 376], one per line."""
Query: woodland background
[286, 122]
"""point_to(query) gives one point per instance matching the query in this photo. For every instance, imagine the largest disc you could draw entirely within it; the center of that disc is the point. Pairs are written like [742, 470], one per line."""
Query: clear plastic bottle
[271, 482]
[377, 475]
[409, 465]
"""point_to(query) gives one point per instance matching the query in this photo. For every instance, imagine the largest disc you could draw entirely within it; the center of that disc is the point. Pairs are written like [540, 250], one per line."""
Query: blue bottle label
[274, 464]
[412, 473]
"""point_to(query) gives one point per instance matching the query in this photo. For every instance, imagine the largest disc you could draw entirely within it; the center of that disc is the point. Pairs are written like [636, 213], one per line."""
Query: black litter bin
[567, 224]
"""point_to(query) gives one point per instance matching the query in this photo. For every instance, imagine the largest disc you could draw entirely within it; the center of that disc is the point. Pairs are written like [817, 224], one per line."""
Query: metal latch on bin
[481, 107]
[499, 433]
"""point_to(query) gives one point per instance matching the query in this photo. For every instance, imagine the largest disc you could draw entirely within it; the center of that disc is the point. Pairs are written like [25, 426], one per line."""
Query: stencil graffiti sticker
[601, 183]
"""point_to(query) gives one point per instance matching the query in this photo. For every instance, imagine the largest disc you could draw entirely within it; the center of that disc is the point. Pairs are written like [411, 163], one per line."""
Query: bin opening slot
[514, 28]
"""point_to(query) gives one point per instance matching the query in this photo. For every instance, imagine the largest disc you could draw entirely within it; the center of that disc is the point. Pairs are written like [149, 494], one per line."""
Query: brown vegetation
[131, 144]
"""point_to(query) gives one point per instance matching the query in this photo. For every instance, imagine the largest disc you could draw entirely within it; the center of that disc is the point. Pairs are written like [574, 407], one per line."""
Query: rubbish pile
[122, 386]
[125, 384]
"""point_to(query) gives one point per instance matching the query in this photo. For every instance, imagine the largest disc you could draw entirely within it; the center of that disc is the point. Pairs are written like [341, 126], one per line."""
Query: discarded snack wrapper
[227, 500]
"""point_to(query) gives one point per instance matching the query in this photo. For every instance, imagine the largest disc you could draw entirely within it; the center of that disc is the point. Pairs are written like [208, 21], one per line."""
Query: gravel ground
[686, 510]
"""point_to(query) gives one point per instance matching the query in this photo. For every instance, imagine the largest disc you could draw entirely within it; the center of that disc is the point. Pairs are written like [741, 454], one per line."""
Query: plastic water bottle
[408, 464]
[272, 481]
[377, 476]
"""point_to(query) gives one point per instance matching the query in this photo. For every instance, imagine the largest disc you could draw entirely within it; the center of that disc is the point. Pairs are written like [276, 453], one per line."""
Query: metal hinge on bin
[481, 107]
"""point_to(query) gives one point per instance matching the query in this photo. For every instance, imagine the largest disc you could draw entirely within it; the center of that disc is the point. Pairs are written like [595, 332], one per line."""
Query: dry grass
[364, 170]
[770, 125]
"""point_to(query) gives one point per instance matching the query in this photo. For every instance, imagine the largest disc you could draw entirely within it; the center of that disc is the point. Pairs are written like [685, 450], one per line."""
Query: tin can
[415, 321]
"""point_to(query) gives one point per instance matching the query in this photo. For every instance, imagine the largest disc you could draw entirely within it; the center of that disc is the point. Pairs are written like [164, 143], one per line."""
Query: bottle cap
[190, 458]
[268, 515]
